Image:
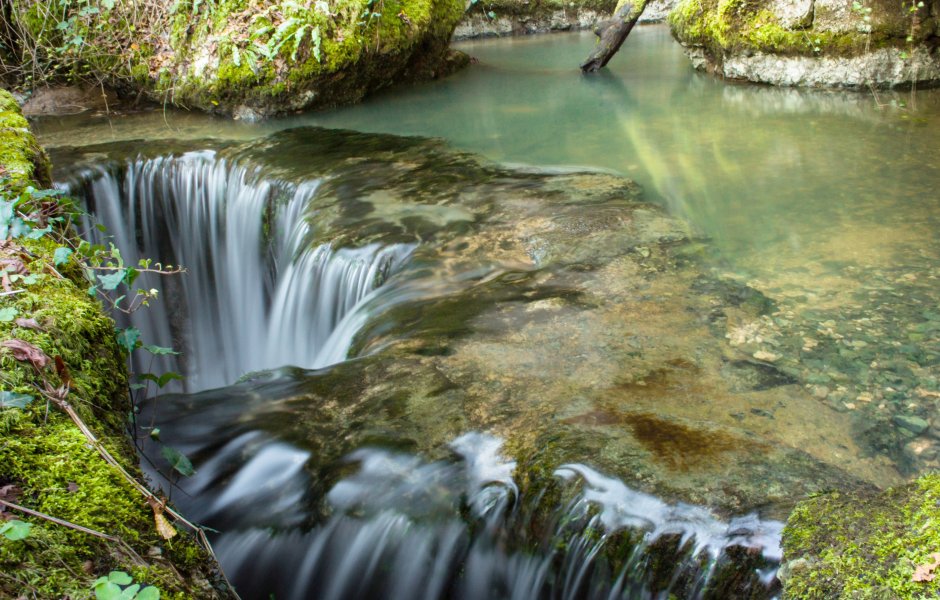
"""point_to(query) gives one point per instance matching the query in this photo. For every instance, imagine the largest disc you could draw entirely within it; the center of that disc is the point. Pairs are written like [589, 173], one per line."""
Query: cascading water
[401, 527]
[294, 469]
[257, 294]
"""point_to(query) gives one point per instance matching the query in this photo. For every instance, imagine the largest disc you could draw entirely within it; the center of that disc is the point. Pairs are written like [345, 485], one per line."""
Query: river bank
[59, 346]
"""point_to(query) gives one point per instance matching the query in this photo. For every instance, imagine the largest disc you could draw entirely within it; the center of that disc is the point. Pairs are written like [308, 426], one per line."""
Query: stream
[521, 333]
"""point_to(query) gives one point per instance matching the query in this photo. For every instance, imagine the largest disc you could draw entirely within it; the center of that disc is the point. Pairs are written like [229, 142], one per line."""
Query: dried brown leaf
[26, 352]
[164, 527]
[925, 572]
[28, 324]
[62, 370]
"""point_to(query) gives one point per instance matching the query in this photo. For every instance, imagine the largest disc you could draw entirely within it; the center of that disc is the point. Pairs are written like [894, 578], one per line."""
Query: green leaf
[107, 591]
[108, 4]
[111, 281]
[128, 338]
[178, 461]
[130, 592]
[61, 255]
[15, 530]
[8, 314]
[158, 350]
[162, 380]
[35, 234]
[149, 593]
[14, 400]
[132, 275]
[120, 578]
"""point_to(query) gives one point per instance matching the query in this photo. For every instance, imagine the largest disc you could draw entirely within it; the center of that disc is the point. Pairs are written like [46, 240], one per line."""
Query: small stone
[849, 405]
[820, 391]
[920, 448]
[911, 423]
[766, 356]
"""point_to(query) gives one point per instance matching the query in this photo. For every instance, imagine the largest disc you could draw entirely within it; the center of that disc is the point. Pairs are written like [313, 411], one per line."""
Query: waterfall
[257, 293]
[405, 528]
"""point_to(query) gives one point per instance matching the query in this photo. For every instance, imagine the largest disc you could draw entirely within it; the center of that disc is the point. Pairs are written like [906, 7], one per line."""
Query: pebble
[766, 356]
[912, 423]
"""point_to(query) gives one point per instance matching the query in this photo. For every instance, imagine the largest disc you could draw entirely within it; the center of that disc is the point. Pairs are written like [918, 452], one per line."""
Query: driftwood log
[612, 33]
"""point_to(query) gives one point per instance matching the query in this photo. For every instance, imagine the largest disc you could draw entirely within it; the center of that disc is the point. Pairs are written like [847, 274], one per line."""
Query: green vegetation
[865, 547]
[57, 346]
[251, 57]
[725, 26]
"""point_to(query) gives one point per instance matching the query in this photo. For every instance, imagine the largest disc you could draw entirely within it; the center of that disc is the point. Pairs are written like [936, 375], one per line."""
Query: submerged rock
[556, 310]
[827, 43]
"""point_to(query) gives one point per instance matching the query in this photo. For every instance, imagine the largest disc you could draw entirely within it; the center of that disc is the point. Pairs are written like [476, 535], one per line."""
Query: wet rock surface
[556, 310]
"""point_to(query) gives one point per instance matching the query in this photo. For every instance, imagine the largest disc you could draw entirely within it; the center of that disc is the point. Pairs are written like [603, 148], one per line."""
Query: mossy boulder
[861, 546]
[249, 58]
[833, 43]
[490, 18]
[46, 463]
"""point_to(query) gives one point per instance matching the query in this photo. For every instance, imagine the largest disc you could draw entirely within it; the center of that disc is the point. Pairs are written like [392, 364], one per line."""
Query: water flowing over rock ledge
[553, 309]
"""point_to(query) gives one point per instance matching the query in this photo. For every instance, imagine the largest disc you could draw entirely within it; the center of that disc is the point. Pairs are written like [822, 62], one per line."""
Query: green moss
[856, 546]
[724, 27]
[44, 457]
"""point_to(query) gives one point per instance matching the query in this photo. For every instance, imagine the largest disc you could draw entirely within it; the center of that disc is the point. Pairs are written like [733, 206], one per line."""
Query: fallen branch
[151, 498]
[137, 558]
[613, 33]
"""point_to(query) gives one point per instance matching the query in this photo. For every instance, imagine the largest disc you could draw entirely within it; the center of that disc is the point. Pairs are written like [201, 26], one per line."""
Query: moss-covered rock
[46, 463]
[246, 57]
[488, 18]
[824, 43]
[841, 545]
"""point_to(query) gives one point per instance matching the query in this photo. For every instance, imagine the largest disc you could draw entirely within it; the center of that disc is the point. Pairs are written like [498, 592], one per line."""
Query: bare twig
[148, 495]
[137, 558]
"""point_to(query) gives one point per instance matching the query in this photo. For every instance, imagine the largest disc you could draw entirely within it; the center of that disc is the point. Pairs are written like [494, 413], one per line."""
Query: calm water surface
[776, 177]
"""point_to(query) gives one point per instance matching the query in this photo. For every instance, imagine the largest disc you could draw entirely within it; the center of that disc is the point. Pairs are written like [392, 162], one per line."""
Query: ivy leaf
[162, 380]
[14, 400]
[120, 578]
[149, 593]
[61, 256]
[178, 461]
[127, 338]
[8, 314]
[36, 234]
[107, 591]
[158, 350]
[111, 281]
[15, 530]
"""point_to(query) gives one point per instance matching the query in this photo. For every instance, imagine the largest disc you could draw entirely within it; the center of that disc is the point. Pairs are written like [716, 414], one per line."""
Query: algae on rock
[882, 43]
